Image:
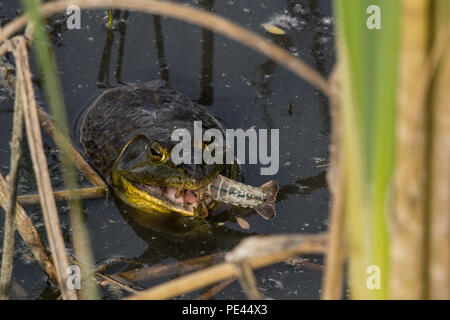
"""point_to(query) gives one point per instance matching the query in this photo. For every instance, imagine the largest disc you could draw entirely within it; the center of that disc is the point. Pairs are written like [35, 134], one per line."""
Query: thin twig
[191, 15]
[64, 195]
[10, 215]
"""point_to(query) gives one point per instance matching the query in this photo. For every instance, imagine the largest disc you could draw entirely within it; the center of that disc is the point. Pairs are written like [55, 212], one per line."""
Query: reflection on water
[120, 19]
[178, 237]
[313, 16]
[206, 97]
[303, 186]
[159, 39]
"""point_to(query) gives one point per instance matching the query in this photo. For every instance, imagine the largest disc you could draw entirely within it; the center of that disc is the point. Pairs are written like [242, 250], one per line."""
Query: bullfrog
[126, 133]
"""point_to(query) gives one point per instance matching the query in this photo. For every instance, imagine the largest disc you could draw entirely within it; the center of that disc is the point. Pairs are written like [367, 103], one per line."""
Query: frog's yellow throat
[142, 198]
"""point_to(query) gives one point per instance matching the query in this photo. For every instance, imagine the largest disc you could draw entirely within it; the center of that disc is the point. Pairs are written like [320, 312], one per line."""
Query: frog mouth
[147, 197]
[183, 199]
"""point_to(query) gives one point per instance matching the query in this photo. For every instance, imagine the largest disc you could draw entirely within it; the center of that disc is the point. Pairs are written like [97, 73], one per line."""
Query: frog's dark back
[152, 109]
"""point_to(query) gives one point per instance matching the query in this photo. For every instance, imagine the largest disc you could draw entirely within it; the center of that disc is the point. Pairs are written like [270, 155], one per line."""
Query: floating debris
[280, 23]
[290, 109]
[242, 223]
[273, 29]
[327, 20]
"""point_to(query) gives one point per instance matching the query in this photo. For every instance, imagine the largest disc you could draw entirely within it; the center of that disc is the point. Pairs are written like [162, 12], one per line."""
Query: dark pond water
[240, 87]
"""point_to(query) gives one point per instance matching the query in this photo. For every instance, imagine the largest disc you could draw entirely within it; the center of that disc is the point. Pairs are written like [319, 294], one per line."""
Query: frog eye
[156, 152]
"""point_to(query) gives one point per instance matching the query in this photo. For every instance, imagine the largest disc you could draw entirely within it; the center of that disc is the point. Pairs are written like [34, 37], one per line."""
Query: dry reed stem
[439, 268]
[408, 236]
[282, 250]
[10, 212]
[439, 205]
[30, 235]
[40, 168]
[247, 280]
[421, 229]
[332, 284]
[187, 14]
[65, 195]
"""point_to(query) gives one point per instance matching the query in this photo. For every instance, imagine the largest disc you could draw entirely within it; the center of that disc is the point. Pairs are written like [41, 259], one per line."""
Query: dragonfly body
[262, 198]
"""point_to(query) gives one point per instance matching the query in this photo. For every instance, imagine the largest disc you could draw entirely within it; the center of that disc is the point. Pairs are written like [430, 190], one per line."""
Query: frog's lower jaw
[154, 198]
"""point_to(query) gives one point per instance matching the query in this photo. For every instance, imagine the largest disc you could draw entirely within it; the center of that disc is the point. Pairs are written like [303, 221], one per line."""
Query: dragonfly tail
[267, 209]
